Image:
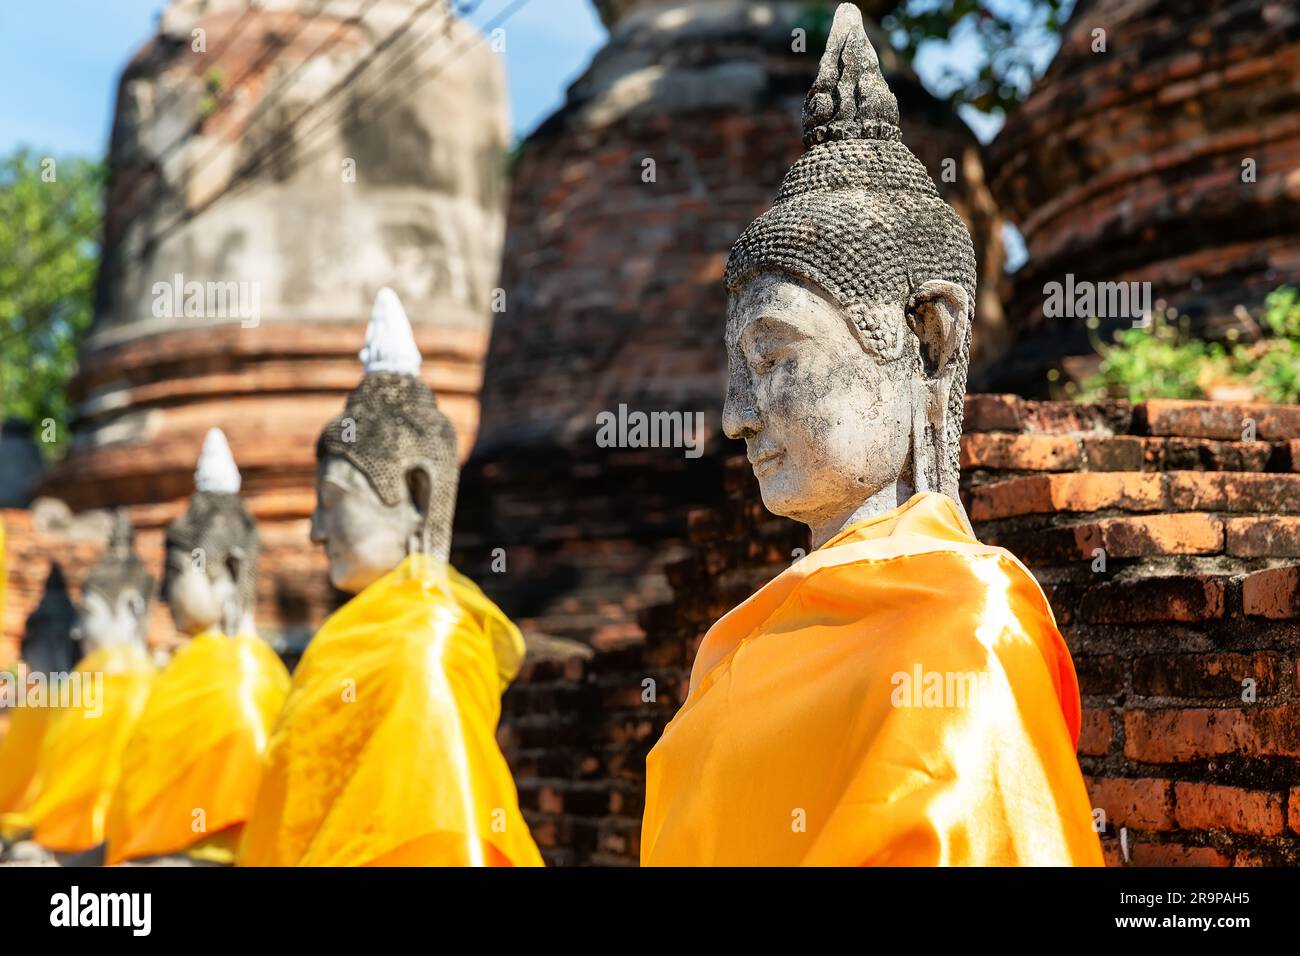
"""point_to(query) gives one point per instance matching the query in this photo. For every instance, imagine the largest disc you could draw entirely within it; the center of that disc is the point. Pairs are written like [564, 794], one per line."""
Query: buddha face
[364, 538]
[826, 424]
[104, 621]
[201, 594]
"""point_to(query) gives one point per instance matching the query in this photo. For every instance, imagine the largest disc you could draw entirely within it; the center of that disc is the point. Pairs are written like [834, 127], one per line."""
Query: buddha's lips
[766, 462]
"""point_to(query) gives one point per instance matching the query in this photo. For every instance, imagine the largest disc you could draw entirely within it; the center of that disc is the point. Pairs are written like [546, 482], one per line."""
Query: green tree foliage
[50, 220]
[1164, 361]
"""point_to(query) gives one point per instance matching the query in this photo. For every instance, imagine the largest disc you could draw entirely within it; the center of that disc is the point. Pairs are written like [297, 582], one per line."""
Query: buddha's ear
[133, 602]
[419, 489]
[235, 558]
[938, 312]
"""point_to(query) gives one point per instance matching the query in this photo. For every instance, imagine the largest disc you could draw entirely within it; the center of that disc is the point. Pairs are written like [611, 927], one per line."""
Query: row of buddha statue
[847, 337]
[220, 755]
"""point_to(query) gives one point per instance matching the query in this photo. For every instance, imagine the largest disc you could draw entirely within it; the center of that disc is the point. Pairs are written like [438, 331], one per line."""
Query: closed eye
[769, 339]
[768, 361]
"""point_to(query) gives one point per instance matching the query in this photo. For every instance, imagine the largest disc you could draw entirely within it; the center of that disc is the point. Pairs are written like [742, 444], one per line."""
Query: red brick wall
[1200, 595]
[1201, 590]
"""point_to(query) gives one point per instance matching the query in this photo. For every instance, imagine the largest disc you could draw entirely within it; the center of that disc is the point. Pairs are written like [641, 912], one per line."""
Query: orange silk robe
[900, 696]
[193, 764]
[386, 753]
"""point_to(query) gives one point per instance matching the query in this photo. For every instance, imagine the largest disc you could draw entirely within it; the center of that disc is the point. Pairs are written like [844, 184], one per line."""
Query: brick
[1099, 674]
[1272, 593]
[1186, 598]
[1229, 491]
[1047, 494]
[1206, 675]
[1095, 733]
[1141, 804]
[1251, 858]
[1202, 454]
[1293, 811]
[1202, 806]
[1160, 534]
[1293, 452]
[992, 413]
[550, 801]
[1174, 736]
[1176, 854]
[1194, 419]
[1113, 453]
[1021, 452]
[1272, 536]
[1106, 417]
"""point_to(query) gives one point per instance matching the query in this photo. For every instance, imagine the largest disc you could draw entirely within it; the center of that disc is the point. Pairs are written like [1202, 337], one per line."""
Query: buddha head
[210, 576]
[387, 467]
[850, 305]
[114, 607]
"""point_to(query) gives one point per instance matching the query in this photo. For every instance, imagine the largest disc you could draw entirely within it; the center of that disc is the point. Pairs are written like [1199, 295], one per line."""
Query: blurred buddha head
[210, 576]
[114, 609]
[387, 467]
[849, 312]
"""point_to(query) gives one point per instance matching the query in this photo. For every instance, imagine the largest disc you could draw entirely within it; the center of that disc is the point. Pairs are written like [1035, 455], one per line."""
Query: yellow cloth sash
[385, 754]
[901, 696]
[192, 766]
[20, 753]
[21, 746]
[81, 758]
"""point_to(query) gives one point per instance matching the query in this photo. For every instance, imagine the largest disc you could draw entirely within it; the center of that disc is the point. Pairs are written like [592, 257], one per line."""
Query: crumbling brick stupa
[1163, 146]
[623, 206]
[306, 156]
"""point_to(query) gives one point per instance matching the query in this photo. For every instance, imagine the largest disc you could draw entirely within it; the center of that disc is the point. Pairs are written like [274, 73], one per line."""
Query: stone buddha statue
[849, 313]
[115, 597]
[194, 759]
[387, 466]
[209, 580]
[900, 695]
[408, 674]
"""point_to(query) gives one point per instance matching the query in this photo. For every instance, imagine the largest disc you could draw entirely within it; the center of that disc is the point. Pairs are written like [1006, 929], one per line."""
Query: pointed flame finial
[216, 470]
[390, 343]
[850, 98]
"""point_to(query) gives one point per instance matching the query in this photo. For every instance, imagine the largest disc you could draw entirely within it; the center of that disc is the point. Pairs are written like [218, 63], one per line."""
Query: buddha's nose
[317, 534]
[740, 418]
